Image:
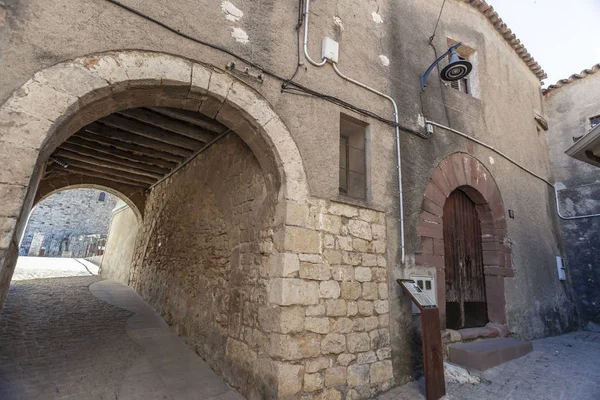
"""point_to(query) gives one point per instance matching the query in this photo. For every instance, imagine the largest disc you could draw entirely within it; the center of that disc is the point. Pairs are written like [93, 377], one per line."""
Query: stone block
[358, 342]
[328, 241]
[365, 308]
[329, 394]
[383, 290]
[359, 324]
[333, 343]
[317, 364]
[294, 214]
[281, 319]
[342, 272]
[289, 379]
[360, 229]
[371, 323]
[329, 290]
[22, 129]
[369, 260]
[297, 240]
[384, 353]
[344, 243]
[378, 231]
[287, 347]
[18, 171]
[379, 274]
[316, 324]
[351, 258]
[290, 291]
[313, 382]
[382, 306]
[352, 307]
[312, 311]
[283, 265]
[372, 216]
[345, 359]
[381, 371]
[200, 80]
[370, 291]
[343, 325]
[330, 223]
[379, 246]
[333, 257]
[343, 210]
[362, 246]
[384, 320]
[335, 376]
[351, 290]
[363, 274]
[358, 375]
[379, 338]
[367, 357]
[319, 272]
[336, 308]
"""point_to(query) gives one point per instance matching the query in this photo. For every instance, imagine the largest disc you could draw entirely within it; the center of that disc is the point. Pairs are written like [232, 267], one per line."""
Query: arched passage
[58, 101]
[259, 174]
[465, 173]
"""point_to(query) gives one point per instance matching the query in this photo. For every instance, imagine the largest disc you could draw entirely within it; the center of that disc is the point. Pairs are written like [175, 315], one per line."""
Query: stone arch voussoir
[463, 171]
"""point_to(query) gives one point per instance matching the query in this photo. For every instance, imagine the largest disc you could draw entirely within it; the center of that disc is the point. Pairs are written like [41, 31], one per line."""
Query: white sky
[562, 35]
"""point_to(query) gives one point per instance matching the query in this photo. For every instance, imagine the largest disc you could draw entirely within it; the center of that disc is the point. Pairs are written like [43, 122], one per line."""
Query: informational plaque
[433, 359]
[416, 293]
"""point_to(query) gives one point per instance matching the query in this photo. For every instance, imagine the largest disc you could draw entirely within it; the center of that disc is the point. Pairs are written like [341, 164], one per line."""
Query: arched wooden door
[466, 305]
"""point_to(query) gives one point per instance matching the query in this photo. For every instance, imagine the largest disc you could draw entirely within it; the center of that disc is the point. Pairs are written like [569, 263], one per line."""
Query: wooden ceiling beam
[102, 166]
[192, 117]
[110, 158]
[75, 170]
[137, 155]
[150, 132]
[169, 124]
[116, 134]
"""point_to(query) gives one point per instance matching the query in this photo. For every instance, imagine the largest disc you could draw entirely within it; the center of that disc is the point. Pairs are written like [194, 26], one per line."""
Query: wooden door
[466, 305]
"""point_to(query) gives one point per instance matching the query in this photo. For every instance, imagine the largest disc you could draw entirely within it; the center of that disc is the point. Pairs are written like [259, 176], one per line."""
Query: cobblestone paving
[563, 367]
[58, 341]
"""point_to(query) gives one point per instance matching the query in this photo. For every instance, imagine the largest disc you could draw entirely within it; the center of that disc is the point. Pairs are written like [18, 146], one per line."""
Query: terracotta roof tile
[489, 12]
[573, 78]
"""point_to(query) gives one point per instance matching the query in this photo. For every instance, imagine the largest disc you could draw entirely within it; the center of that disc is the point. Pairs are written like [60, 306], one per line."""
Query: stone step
[485, 354]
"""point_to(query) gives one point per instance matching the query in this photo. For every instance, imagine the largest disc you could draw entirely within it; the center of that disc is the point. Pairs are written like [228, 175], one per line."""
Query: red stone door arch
[464, 172]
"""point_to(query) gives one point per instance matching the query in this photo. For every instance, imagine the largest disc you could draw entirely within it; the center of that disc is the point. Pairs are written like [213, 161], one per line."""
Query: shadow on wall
[120, 244]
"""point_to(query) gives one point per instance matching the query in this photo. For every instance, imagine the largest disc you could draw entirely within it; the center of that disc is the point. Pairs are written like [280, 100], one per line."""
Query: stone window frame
[345, 134]
[463, 171]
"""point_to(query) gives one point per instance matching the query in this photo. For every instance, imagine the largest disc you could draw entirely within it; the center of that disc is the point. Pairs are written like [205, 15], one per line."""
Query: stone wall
[62, 223]
[329, 313]
[570, 107]
[198, 257]
[116, 261]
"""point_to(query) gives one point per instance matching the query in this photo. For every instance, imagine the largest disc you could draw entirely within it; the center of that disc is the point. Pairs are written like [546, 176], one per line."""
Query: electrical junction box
[562, 274]
[330, 49]
[427, 285]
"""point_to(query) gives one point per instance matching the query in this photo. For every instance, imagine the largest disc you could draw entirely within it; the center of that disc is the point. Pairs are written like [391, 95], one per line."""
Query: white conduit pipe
[487, 146]
[310, 60]
[399, 158]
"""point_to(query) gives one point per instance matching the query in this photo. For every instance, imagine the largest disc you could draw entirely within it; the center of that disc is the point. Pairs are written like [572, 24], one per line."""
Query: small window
[102, 196]
[469, 84]
[594, 121]
[353, 182]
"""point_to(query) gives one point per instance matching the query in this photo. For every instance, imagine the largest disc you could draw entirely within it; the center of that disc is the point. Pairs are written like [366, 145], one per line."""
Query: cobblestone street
[563, 367]
[86, 338]
[59, 340]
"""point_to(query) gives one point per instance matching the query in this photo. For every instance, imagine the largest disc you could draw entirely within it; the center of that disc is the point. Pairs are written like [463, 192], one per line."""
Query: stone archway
[464, 172]
[59, 100]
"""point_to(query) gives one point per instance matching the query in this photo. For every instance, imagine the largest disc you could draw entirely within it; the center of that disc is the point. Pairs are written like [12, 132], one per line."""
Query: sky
[560, 34]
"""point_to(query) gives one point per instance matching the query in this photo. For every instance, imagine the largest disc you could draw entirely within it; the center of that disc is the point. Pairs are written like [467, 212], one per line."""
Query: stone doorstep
[486, 354]
[489, 331]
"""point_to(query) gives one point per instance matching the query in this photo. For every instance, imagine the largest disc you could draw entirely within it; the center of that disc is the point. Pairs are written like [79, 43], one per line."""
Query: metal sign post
[433, 359]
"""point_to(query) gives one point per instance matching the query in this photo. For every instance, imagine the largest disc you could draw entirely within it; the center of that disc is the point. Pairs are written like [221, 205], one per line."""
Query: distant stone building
[573, 106]
[69, 223]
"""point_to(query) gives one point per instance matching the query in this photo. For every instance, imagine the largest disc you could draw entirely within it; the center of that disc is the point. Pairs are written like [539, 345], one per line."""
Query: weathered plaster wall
[569, 109]
[35, 36]
[66, 216]
[116, 261]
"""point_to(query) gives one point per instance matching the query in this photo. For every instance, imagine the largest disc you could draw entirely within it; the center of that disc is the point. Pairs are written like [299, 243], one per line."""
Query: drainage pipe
[399, 158]
[487, 146]
[310, 60]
